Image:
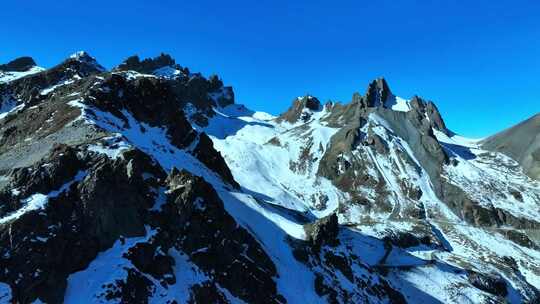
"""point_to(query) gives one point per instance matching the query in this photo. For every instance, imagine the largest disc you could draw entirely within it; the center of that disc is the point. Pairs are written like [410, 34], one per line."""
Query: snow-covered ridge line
[6, 77]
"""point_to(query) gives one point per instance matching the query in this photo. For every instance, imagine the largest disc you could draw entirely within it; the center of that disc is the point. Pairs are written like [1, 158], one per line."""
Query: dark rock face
[435, 117]
[194, 88]
[377, 93]
[149, 100]
[112, 201]
[207, 293]
[205, 152]
[149, 65]
[213, 240]
[21, 64]
[407, 240]
[59, 167]
[323, 231]
[154, 101]
[86, 217]
[376, 141]
[135, 289]
[427, 109]
[337, 163]
[490, 284]
[148, 259]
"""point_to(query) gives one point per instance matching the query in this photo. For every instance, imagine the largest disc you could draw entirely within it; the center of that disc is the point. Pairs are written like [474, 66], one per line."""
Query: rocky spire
[377, 93]
[21, 64]
[429, 111]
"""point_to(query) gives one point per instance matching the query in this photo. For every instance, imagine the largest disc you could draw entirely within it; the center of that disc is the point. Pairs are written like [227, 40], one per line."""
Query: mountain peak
[80, 55]
[84, 57]
[163, 64]
[377, 93]
[21, 64]
[302, 107]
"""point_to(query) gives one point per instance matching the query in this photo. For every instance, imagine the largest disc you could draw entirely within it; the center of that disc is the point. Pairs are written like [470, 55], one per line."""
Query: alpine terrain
[147, 183]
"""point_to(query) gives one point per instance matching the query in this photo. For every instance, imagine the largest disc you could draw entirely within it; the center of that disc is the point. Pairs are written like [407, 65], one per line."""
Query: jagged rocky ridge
[148, 183]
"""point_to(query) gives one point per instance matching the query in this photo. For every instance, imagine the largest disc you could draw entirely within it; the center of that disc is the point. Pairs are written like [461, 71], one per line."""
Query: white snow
[110, 146]
[6, 77]
[167, 72]
[78, 55]
[456, 139]
[5, 293]
[273, 172]
[397, 103]
[86, 286]
[54, 87]
[490, 177]
[186, 274]
[85, 57]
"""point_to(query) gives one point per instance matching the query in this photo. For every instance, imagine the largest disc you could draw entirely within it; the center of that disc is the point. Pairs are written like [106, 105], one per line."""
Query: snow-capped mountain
[149, 184]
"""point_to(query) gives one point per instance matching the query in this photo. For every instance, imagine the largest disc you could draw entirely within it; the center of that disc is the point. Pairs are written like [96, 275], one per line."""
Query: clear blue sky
[479, 62]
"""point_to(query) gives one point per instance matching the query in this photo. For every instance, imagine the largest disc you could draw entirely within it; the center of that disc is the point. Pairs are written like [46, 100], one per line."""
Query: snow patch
[167, 72]
[6, 77]
[86, 286]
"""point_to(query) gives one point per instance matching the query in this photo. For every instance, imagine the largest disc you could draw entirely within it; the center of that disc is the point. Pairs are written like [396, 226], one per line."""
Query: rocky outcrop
[150, 65]
[189, 87]
[377, 94]
[428, 113]
[489, 283]
[323, 232]
[406, 239]
[301, 110]
[21, 64]
[148, 100]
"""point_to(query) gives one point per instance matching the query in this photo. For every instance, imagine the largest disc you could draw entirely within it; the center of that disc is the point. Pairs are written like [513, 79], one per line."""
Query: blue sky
[479, 62]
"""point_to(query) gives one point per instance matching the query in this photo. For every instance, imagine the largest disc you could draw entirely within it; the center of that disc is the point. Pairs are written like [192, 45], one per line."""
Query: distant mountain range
[147, 183]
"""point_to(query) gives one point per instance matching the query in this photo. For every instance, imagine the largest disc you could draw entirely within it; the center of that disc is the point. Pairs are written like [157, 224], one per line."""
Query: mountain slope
[522, 143]
[149, 184]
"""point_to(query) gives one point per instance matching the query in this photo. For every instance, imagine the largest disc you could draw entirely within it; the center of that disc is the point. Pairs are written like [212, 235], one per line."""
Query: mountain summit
[21, 64]
[149, 184]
